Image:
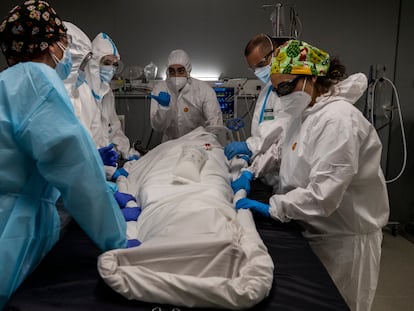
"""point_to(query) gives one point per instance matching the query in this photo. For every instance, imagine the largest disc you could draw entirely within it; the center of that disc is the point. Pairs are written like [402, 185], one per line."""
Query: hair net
[300, 58]
[29, 28]
[179, 57]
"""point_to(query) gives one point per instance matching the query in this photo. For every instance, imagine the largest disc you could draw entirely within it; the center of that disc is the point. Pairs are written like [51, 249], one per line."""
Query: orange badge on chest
[294, 146]
[186, 109]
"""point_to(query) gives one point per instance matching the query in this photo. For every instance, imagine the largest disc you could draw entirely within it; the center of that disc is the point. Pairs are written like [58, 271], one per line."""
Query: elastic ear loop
[54, 57]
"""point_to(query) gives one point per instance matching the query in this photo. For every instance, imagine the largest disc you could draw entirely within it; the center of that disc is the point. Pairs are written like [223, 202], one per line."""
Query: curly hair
[335, 74]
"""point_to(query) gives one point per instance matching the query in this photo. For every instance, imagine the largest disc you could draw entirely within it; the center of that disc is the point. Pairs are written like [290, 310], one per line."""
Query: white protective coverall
[333, 184]
[85, 105]
[45, 153]
[195, 105]
[111, 125]
[265, 111]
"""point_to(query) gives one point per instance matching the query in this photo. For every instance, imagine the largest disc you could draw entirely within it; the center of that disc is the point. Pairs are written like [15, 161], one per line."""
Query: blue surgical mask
[106, 73]
[263, 73]
[64, 65]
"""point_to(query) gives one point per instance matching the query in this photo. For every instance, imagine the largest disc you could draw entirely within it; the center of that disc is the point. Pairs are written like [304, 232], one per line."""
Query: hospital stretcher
[165, 267]
[67, 279]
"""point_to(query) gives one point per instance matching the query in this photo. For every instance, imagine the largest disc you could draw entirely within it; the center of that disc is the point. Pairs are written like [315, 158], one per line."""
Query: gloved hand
[131, 213]
[109, 155]
[123, 198]
[119, 172]
[133, 157]
[163, 98]
[133, 243]
[236, 147]
[245, 158]
[253, 205]
[243, 182]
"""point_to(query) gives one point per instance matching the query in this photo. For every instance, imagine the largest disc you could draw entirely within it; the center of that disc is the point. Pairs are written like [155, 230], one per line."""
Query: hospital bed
[196, 250]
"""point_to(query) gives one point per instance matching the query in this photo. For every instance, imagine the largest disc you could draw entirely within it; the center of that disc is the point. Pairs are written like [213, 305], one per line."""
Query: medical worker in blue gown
[44, 150]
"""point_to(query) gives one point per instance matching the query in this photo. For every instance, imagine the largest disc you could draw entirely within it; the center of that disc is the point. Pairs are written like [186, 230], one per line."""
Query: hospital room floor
[395, 289]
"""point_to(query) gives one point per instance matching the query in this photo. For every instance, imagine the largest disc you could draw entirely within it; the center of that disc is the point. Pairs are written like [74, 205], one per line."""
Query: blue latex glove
[120, 171]
[163, 98]
[131, 213]
[123, 198]
[256, 206]
[235, 148]
[133, 243]
[243, 182]
[133, 157]
[109, 155]
[245, 158]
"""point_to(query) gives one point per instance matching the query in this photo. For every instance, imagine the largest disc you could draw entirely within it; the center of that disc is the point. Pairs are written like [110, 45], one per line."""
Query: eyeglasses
[261, 63]
[178, 71]
[286, 87]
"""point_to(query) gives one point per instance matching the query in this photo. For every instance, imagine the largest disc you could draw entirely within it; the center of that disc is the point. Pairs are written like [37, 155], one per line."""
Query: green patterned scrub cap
[300, 58]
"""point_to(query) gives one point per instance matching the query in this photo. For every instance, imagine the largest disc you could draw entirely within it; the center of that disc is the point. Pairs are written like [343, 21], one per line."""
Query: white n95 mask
[177, 83]
[295, 103]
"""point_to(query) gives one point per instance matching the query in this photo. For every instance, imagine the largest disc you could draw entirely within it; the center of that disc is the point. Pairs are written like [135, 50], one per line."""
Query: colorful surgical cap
[29, 28]
[300, 58]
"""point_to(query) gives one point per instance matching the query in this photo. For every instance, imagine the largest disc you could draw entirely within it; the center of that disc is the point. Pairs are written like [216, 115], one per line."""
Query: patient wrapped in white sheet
[196, 250]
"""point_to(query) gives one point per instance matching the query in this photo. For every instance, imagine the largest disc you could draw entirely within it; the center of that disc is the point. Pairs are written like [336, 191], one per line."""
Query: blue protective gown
[45, 152]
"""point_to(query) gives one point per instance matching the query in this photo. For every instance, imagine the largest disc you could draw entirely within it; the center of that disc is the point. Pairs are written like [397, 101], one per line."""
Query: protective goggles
[286, 87]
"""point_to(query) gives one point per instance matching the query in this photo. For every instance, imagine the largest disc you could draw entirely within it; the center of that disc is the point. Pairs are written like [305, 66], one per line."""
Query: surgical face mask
[106, 72]
[295, 103]
[177, 83]
[64, 65]
[263, 73]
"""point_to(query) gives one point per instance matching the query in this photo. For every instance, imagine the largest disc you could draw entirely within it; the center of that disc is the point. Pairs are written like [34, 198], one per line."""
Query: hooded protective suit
[265, 111]
[85, 105]
[111, 125]
[334, 186]
[46, 152]
[195, 105]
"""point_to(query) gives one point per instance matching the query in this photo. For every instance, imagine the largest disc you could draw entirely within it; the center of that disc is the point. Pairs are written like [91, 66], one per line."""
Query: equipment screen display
[225, 97]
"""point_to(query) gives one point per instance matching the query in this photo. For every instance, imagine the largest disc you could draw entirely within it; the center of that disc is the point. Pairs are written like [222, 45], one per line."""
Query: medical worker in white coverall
[85, 105]
[182, 103]
[258, 53]
[99, 73]
[331, 180]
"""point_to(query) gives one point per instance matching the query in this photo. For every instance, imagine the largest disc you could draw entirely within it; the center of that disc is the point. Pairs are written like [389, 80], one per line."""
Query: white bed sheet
[196, 250]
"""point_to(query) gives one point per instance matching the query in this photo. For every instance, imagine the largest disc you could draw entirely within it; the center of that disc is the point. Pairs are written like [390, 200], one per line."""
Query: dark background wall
[214, 33]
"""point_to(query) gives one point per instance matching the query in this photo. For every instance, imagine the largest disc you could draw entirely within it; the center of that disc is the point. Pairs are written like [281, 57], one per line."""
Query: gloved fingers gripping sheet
[196, 250]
